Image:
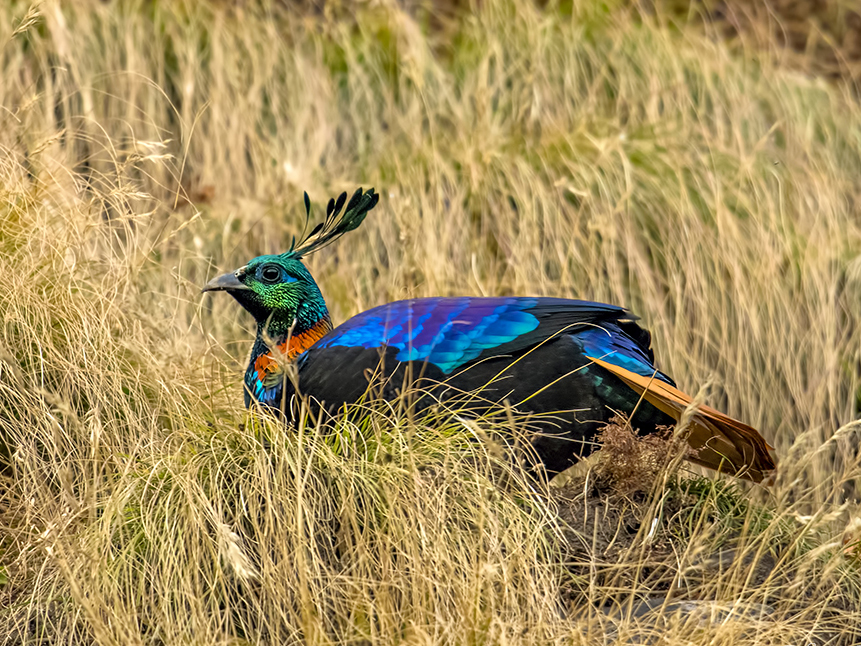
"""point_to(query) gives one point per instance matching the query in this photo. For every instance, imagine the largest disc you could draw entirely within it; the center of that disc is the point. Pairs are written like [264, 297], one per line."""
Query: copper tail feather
[721, 442]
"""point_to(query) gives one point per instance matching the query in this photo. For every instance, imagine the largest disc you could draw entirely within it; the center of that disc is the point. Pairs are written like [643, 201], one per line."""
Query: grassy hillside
[571, 151]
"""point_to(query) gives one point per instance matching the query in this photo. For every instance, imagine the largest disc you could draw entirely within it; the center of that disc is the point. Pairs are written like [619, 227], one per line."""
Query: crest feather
[335, 225]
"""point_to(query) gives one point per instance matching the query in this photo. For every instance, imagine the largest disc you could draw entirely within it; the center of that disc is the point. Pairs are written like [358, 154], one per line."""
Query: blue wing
[450, 332]
[447, 332]
[613, 344]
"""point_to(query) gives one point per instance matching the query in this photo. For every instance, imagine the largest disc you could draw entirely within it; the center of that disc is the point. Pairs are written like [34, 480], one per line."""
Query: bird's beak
[225, 283]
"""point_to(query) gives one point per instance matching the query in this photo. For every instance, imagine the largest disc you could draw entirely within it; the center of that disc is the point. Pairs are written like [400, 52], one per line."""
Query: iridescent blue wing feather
[612, 344]
[451, 332]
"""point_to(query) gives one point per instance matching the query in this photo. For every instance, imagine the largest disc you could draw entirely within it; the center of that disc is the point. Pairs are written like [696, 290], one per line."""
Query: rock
[648, 618]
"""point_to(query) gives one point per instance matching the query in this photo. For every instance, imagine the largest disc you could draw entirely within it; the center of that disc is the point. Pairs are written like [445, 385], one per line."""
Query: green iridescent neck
[304, 309]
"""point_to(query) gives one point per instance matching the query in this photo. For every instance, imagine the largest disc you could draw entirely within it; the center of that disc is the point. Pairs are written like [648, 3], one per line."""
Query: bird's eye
[270, 274]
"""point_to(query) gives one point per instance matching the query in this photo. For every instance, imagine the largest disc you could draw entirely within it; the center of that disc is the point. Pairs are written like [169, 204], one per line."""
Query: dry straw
[573, 151]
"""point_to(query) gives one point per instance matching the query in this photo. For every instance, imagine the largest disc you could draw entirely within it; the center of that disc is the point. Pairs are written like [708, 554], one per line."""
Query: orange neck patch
[291, 348]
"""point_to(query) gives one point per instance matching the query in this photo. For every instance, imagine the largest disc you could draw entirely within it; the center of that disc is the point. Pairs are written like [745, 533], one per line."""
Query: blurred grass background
[697, 163]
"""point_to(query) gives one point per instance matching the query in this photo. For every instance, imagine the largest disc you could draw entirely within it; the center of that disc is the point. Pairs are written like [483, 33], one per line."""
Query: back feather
[721, 442]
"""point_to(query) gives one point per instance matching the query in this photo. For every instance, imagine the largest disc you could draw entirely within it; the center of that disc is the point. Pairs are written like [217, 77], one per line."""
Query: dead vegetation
[582, 154]
[665, 548]
[631, 464]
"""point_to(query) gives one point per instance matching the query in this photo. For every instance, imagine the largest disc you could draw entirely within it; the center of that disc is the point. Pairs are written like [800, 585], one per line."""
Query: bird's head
[273, 287]
[278, 288]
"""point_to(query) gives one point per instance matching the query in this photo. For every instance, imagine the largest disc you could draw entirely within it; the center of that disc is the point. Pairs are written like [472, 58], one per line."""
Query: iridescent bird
[573, 363]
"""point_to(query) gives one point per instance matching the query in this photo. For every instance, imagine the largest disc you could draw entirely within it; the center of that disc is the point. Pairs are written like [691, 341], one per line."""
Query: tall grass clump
[159, 512]
[154, 510]
[575, 151]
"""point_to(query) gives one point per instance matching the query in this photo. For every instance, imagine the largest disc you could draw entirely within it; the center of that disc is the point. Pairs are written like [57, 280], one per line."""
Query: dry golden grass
[582, 154]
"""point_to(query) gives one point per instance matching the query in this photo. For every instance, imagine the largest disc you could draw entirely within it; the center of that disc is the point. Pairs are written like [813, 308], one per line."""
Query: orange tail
[721, 442]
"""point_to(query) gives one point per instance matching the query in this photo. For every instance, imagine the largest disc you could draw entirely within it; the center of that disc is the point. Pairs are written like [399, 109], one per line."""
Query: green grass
[576, 151]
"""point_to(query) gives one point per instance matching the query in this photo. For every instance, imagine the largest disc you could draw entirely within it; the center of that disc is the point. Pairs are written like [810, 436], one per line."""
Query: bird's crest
[336, 224]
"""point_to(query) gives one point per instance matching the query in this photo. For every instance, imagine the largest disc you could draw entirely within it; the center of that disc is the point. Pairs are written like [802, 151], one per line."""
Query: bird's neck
[290, 337]
[279, 342]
